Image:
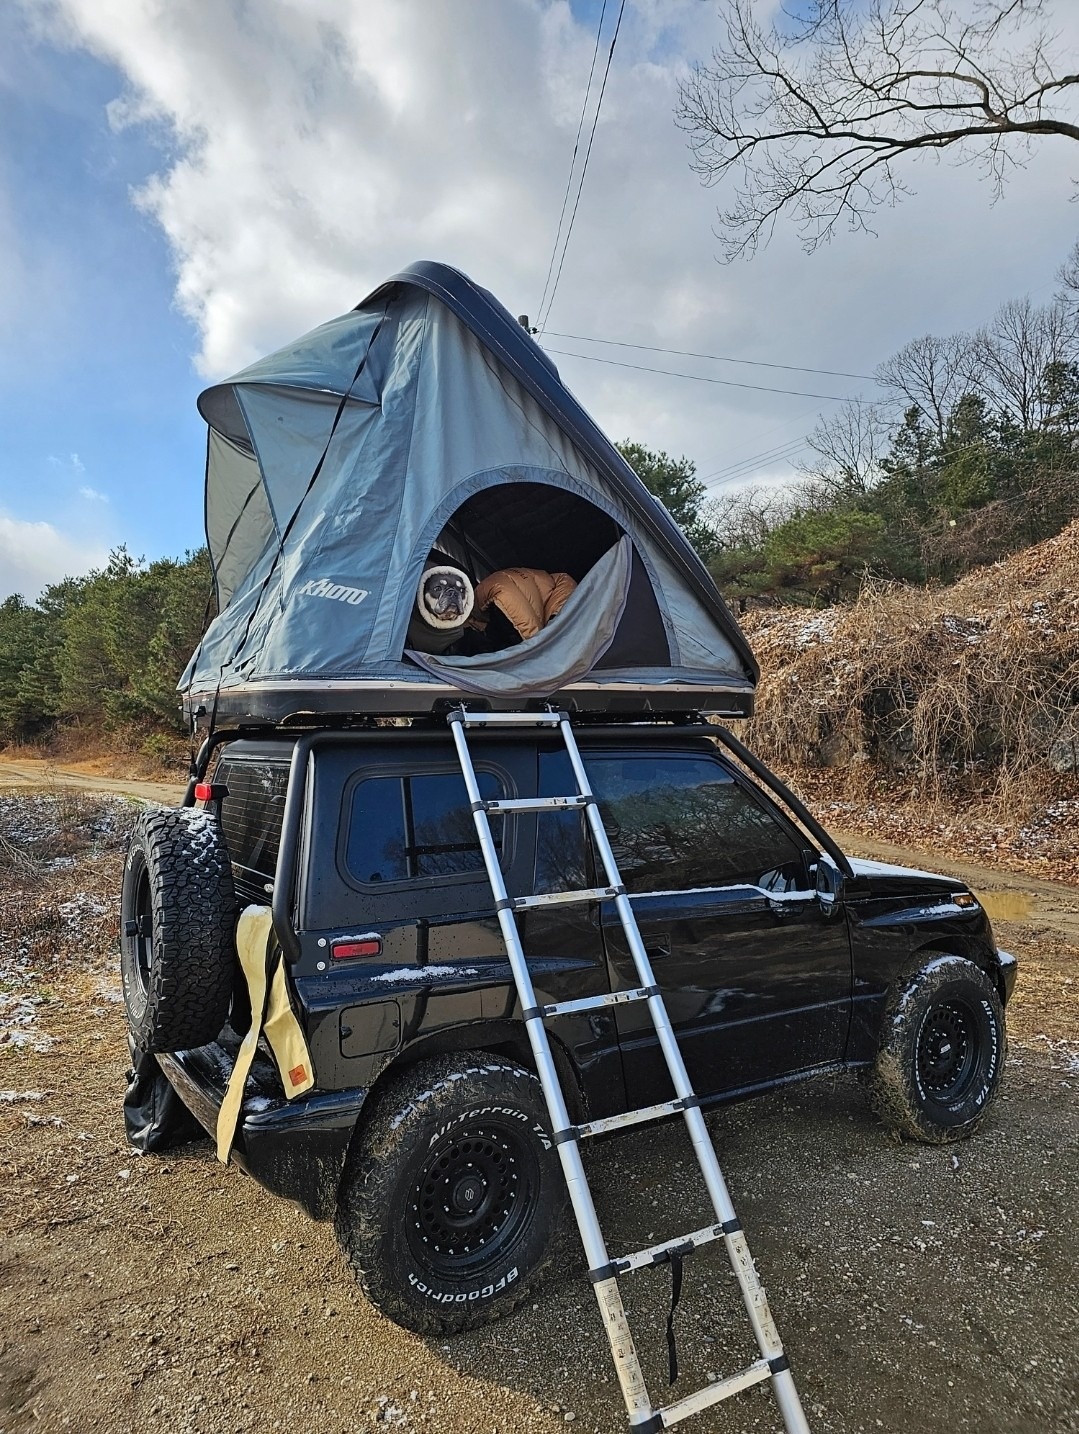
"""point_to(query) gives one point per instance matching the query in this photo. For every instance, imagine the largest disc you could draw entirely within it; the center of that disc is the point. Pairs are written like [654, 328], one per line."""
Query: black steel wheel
[947, 1053]
[942, 1051]
[177, 922]
[452, 1193]
[473, 1195]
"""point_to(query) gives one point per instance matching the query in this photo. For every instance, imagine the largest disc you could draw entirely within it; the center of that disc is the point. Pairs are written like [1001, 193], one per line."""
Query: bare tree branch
[809, 115]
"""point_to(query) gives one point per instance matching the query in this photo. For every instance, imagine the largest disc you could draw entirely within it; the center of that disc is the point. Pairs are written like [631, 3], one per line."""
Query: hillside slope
[931, 682]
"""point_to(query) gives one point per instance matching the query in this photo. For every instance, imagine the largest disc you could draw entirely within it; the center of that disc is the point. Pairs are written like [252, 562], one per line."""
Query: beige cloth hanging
[271, 1015]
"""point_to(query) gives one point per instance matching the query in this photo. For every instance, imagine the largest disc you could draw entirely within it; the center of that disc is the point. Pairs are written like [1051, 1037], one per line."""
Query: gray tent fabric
[337, 465]
[568, 647]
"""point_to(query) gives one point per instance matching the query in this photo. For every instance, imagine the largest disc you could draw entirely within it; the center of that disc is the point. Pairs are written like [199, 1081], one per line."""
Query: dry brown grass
[928, 682]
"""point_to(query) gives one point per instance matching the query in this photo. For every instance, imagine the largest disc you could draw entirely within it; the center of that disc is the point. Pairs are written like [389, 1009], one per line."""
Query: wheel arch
[967, 948]
[506, 1039]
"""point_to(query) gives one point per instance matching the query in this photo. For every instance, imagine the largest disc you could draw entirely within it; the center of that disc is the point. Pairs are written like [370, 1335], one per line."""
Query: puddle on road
[1005, 905]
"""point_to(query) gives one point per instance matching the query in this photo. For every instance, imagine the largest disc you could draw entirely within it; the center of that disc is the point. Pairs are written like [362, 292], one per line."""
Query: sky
[187, 184]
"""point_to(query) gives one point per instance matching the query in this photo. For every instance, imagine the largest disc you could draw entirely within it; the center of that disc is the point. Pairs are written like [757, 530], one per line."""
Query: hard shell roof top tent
[428, 418]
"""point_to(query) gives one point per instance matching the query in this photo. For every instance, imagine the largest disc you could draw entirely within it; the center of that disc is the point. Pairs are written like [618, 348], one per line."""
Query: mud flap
[271, 1015]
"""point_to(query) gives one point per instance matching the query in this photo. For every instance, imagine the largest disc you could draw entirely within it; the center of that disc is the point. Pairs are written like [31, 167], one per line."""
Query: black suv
[426, 1135]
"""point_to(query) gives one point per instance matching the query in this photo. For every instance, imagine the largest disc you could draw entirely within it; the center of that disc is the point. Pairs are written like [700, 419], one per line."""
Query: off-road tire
[452, 1194]
[942, 1052]
[177, 930]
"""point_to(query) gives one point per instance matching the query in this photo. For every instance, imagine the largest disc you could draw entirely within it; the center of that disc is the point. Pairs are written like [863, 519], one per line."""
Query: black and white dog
[444, 602]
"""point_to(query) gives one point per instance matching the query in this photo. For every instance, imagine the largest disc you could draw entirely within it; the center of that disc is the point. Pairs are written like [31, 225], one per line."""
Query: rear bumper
[294, 1148]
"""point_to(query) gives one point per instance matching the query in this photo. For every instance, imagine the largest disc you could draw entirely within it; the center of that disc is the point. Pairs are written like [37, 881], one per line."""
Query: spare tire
[177, 930]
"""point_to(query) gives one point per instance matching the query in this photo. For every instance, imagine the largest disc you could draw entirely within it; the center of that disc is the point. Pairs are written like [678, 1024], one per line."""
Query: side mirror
[829, 880]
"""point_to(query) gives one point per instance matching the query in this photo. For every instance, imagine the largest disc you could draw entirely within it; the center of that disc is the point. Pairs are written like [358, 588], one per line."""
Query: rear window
[251, 817]
[416, 827]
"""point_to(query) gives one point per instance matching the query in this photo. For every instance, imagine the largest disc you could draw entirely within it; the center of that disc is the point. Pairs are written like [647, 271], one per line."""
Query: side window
[677, 823]
[416, 827]
[251, 816]
[561, 844]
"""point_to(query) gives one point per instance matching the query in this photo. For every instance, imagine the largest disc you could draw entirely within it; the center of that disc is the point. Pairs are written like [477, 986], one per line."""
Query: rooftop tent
[428, 425]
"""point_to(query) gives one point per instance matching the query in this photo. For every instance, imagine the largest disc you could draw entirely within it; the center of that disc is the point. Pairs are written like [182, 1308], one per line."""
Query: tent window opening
[504, 566]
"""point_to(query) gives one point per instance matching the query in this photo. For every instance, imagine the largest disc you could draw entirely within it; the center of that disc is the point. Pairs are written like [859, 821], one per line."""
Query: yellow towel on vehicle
[271, 1015]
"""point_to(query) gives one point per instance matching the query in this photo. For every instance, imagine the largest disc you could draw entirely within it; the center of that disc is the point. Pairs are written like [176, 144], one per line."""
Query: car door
[755, 970]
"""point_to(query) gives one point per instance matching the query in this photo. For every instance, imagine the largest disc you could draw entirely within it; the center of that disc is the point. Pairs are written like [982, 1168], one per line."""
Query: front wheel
[453, 1194]
[941, 1053]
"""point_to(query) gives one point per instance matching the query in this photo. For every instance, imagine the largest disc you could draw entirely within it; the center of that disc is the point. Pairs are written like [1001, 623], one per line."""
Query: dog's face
[444, 595]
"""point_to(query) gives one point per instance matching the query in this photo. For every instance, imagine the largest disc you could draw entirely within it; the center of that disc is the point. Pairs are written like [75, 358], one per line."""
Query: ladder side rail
[753, 1294]
[626, 1361]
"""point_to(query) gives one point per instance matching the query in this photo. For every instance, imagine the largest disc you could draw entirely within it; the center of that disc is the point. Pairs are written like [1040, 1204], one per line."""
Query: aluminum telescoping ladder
[603, 1271]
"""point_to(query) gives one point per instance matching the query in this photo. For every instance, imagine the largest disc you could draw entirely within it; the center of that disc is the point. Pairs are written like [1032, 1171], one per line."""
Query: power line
[701, 378]
[787, 453]
[781, 427]
[584, 168]
[573, 161]
[717, 358]
[779, 451]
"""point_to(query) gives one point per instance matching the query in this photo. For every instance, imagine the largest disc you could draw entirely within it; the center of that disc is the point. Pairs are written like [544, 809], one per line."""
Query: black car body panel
[774, 963]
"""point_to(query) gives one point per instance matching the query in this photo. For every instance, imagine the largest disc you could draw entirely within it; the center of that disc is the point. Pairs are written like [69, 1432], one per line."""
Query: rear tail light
[356, 946]
[210, 791]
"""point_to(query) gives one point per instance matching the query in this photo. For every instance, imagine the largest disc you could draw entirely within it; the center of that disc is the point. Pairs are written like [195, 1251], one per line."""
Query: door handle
[660, 948]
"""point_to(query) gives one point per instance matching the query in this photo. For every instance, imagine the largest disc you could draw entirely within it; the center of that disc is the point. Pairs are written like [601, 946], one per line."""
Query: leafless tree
[930, 374]
[743, 517]
[1013, 352]
[848, 445]
[1068, 275]
[816, 115]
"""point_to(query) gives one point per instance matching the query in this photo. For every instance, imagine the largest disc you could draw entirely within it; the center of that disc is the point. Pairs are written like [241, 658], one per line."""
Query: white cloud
[315, 148]
[92, 495]
[33, 555]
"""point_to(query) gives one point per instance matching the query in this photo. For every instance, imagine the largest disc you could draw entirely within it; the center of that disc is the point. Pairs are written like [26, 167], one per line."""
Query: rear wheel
[177, 923]
[453, 1194]
[942, 1052]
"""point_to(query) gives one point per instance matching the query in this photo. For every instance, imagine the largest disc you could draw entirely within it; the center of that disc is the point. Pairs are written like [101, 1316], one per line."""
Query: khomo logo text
[321, 587]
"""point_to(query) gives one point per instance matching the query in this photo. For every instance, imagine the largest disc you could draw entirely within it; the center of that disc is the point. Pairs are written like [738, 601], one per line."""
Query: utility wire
[738, 470]
[573, 161]
[717, 358]
[584, 168]
[701, 378]
[779, 451]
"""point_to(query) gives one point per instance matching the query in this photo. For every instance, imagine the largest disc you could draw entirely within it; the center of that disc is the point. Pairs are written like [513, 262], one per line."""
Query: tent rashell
[427, 420]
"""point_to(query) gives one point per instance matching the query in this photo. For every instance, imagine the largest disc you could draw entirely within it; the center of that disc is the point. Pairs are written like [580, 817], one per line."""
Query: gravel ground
[916, 1288]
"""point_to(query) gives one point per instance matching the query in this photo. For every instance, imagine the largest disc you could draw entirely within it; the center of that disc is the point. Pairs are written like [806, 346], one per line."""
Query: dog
[446, 594]
[444, 602]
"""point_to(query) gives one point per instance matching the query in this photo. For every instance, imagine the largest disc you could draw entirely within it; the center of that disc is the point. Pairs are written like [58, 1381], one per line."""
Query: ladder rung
[565, 898]
[658, 1253]
[713, 1393]
[535, 804]
[631, 1117]
[508, 719]
[595, 1003]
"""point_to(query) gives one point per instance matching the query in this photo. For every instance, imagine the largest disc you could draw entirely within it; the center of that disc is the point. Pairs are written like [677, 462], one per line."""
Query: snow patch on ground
[50, 925]
[1064, 1055]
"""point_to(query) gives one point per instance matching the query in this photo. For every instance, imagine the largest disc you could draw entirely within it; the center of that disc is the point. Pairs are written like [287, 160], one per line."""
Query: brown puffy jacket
[529, 597]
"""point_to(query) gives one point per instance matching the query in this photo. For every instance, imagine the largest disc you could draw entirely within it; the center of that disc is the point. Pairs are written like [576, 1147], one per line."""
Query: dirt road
[917, 1289]
[33, 772]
